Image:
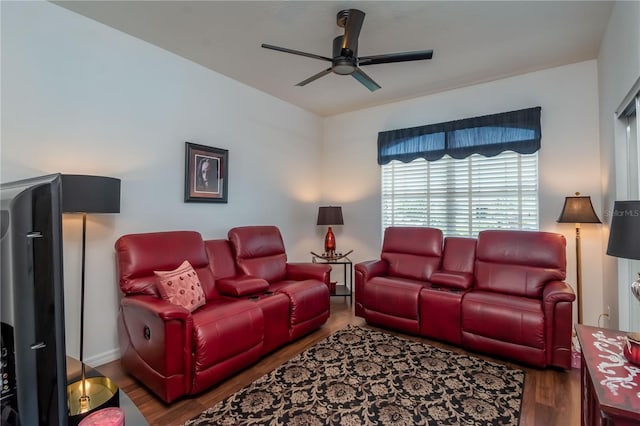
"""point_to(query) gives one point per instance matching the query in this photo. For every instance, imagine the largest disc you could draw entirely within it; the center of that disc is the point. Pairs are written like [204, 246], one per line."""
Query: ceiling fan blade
[295, 52]
[314, 77]
[367, 81]
[418, 55]
[352, 28]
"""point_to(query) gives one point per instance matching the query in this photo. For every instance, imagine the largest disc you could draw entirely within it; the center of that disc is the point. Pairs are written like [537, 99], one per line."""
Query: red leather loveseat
[501, 294]
[254, 302]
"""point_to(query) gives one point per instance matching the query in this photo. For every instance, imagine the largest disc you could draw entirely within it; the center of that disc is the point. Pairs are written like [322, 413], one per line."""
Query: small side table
[132, 415]
[610, 384]
[345, 290]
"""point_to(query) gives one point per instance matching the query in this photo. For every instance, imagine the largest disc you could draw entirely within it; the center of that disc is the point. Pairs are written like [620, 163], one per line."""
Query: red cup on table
[632, 348]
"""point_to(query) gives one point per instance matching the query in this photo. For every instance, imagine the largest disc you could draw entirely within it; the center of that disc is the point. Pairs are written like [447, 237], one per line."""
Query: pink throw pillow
[181, 287]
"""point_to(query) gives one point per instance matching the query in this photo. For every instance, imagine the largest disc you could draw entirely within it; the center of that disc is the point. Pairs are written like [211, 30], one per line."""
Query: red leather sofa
[255, 302]
[501, 294]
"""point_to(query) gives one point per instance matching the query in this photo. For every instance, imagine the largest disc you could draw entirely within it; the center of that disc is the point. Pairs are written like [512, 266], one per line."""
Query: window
[627, 112]
[629, 189]
[463, 176]
[462, 197]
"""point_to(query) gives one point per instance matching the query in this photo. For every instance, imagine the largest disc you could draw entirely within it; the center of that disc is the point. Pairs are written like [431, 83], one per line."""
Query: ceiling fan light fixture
[344, 66]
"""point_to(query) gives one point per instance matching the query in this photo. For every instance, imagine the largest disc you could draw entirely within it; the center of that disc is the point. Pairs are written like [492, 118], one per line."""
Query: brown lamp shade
[578, 209]
[624, 235]
[330, 215]
[90, 194]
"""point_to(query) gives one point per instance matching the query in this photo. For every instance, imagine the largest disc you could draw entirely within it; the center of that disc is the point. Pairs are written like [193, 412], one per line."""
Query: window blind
[462, 197]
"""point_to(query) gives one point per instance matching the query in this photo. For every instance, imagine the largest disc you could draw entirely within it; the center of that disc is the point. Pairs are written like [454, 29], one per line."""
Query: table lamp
[578, 209]
[86, 194]
[624, 242]
[330, 215]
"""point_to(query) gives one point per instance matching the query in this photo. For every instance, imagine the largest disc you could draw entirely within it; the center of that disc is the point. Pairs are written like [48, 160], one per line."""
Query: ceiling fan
[345, 60]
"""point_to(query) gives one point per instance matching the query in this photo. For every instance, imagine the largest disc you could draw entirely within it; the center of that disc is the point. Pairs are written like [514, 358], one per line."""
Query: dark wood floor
[551, 397]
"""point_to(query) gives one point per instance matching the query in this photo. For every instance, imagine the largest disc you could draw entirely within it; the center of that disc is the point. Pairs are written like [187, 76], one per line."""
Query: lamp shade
[330, 215]
[578, 209]
[624, 235]
[90, 194]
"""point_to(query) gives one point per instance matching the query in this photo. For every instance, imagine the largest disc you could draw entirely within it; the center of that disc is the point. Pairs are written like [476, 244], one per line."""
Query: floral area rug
[359, 376]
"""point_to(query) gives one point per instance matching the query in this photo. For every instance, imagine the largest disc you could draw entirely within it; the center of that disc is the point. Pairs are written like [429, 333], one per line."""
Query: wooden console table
[610, 384]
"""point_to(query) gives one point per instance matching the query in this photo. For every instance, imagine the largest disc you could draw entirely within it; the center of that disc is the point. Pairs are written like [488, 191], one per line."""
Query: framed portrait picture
[206, 174]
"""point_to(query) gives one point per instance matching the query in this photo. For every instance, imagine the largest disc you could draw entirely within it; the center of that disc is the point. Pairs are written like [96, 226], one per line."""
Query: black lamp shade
[624, 235]
[330, 215]
[578, 209]
[90, 194]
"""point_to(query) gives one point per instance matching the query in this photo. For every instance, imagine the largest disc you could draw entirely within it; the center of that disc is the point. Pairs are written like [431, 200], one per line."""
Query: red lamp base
[329, 242]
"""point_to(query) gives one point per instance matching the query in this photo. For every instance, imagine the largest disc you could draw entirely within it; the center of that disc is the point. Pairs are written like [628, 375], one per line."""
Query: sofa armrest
[364, 271]
[371, 268]
[557, 303]
[155, 306]
[242, 285]
[557, 291]
[160, 334]
[306, 271]
[452, 279]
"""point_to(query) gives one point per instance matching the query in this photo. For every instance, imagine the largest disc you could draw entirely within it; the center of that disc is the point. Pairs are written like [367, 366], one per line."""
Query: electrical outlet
[608, 311]
[604, 316]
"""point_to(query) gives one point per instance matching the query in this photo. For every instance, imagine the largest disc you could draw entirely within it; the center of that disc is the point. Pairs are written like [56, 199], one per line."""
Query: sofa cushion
[513, 319]
[459, 254]
[412, 252]
[259, 251]
[457, 266]
[221, 261]
[519, 262]
[140, 254]
[181, 286]
[223, 329]
[271, 268]
[393, 296]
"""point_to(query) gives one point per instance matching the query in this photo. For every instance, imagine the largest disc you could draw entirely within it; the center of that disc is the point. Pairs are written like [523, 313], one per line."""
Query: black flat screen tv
[34, 373]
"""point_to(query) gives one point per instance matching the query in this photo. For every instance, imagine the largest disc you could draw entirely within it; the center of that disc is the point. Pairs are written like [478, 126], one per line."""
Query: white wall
[618, 70]
[569, 159]
[80, 97]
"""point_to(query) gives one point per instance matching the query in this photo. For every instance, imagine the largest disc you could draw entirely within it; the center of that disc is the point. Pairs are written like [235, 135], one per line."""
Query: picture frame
[206, 174]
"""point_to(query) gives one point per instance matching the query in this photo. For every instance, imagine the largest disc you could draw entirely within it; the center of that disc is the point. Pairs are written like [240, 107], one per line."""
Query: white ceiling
[473, 41]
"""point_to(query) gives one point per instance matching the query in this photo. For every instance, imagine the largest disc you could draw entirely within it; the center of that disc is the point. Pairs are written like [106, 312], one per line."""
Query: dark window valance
[488, 135]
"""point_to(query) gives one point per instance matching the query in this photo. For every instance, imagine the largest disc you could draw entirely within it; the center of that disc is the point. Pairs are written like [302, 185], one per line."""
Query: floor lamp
[624, 242]
[578, 209]
[86, 194]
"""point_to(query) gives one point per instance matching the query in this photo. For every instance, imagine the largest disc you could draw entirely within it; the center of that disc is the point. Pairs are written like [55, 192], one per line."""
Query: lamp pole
[84, 399]
[579, 272]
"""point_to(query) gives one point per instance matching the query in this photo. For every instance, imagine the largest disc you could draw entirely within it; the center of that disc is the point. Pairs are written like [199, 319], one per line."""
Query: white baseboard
[103, 358]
